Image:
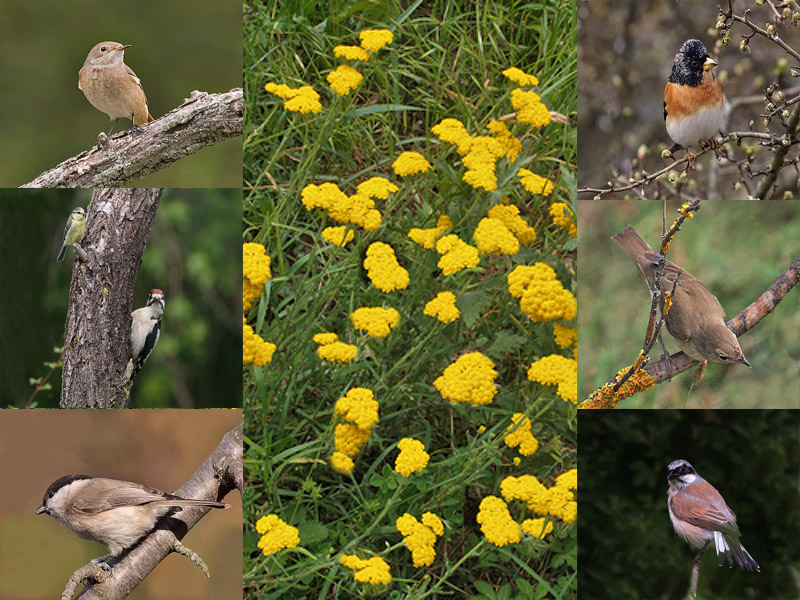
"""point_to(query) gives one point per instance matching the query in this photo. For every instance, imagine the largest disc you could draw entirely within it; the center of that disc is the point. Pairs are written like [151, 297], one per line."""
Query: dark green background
[627, 548]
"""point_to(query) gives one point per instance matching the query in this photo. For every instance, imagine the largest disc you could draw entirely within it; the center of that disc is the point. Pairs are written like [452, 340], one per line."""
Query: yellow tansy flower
[359, 407]
[351, 53]
[469, 379]
[537, 527]
[562, 214]
[276, 535]
[375, 39]
[534, 183]
[383, 269]
[510, 217]
[520, 435]
[419, 538]
[492, 236]
[519, 76]
[496, 522]
[456, 255]
[374, 570]
[412, 457]
[344, 79]
[427, 237]
[557, 370]
[303, 99]
[453, 132]
[443, 307]
[565, 336]
[410, 163]
[338, 236]
[341, 463]
[530, 109]
[378, 322]
[255, 350]
[542, 297]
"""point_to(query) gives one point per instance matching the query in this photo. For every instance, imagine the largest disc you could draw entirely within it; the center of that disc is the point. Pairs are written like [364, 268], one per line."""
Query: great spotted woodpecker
[145, 330]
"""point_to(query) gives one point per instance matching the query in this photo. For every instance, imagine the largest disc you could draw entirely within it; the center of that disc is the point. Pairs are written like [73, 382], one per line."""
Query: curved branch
[202, 120]
[215, 478]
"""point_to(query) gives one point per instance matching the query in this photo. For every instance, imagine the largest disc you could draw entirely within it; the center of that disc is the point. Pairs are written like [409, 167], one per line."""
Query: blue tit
[73, 232]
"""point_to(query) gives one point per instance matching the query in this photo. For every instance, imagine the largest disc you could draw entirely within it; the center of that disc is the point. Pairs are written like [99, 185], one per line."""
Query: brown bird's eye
[103, 49]
[722, 357]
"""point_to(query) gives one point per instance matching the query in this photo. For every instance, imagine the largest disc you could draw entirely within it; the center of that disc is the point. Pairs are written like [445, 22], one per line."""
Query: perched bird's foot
[691, 157]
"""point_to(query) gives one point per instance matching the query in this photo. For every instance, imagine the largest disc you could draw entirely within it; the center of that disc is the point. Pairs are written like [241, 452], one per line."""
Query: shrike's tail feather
[730, 548]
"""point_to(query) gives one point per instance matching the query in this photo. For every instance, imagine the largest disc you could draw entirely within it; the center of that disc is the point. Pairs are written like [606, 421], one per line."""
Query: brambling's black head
[691, 61]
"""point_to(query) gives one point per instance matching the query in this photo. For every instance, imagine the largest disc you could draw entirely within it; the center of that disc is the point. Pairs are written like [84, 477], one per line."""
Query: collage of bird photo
[495, 256]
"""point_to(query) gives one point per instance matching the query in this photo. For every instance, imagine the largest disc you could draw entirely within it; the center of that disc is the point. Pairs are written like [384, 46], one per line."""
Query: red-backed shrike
[699, 515]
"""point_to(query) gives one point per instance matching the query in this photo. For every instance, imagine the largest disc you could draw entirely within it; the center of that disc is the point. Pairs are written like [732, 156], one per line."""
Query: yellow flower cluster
[519, 76]
[520, 435]
[410, 163]
[443, 307]
[276, 535]
[542, 297]
[492, 235]
[255, 350]
[383, 269]
[427, 237]
[351, 53]
[538, 528]
[496, 522]
[358, 209]
[256, 271]
[530, 109]
[374, 570]
[344, 79]
[565, 336]
[303, 99]
[480, 152]
[453, 131]
[563, 216]
[375, 39]
[469, 379]
[557, 501]
[412, 457]
[360, 409]
[557, 370]
[332, 350]
[376, 321]
[419, 538]
[511, 145]
[338, 236]
[510, 217]
[534, 183]
[456, 255]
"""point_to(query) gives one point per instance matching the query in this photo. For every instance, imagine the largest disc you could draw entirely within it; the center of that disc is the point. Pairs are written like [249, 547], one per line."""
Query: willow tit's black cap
[55, 486]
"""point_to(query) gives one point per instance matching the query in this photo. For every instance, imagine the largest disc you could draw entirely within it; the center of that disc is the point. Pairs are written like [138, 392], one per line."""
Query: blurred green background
[177, 47]
[627, 548]
[737, 249]
[160, 448]
[193, 253]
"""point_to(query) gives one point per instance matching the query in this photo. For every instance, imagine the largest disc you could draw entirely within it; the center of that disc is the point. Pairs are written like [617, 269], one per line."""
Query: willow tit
[73, 232]
[699, 515]
[115, 513]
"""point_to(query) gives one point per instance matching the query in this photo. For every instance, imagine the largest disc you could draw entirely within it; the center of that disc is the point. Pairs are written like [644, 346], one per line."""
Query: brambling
[694, 106]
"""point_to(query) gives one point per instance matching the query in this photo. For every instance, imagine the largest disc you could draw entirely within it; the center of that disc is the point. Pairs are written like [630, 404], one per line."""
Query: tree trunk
[98, 324]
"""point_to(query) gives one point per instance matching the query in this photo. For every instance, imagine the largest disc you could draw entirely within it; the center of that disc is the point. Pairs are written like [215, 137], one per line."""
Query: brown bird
[696, 319]
[112, 87]
[699, 515]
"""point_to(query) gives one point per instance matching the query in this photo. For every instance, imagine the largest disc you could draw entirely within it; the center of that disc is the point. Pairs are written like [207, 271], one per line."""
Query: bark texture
[101, 298]
[202, 120]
